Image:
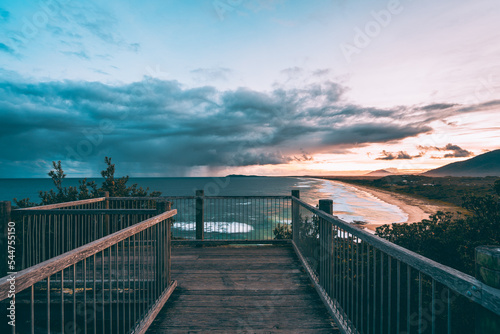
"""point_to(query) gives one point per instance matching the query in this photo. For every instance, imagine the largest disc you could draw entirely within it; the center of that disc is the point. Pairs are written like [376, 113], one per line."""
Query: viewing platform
[227, 264]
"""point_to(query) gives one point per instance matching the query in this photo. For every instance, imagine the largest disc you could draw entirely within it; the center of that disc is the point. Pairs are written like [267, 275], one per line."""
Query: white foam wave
[218, 227]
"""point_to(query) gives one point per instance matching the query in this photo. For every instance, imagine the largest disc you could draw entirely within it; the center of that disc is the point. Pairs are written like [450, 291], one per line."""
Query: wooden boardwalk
[245, 289]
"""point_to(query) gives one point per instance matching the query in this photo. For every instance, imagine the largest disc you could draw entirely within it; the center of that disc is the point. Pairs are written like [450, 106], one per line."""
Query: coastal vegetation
[282, 231]
[445, 189]
[116, 186]
[449, 239]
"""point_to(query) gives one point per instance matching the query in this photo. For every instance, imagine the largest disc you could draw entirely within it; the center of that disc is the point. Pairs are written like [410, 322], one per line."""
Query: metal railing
[373, 286]
[114, 284]
[46, 231]
[230, 217]
[119, 276]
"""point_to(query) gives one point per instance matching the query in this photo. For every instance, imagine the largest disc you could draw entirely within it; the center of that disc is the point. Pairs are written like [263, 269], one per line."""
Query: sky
[266, 87]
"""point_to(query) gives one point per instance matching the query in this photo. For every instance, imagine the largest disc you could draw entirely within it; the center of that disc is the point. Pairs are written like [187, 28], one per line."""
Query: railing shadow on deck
[92, 266]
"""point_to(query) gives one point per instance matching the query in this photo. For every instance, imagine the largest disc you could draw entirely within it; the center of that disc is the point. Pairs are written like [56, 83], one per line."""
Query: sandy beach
[417, 209]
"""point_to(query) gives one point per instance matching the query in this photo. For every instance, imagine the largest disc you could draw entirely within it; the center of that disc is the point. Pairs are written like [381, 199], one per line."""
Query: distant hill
[380, 172]
[487, 164]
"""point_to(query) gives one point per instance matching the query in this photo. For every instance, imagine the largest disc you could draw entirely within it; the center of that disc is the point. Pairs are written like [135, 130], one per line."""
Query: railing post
[162, 206]
[295, 216]
[488, 272]
[326, 205]
[5, 218]
[325, 274]
[199, 215]
[163, 240]
[106, 217]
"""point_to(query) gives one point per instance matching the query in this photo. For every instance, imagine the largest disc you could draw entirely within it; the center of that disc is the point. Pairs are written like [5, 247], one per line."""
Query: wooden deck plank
[255, 289]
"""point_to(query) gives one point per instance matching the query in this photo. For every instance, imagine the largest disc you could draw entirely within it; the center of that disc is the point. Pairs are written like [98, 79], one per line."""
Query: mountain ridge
[487, 164]
[379, 172]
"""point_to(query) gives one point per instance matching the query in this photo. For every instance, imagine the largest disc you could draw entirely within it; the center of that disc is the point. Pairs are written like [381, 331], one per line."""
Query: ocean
[349, 203]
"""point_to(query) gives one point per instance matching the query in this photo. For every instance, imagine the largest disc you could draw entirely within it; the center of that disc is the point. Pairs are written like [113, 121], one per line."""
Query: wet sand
[417, 209]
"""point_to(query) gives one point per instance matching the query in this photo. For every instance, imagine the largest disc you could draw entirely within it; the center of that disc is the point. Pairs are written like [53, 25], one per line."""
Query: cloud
[321, 72]
[374, 133]
[80, 54]
[7, 49]
[260, 5]
[211, 74]
[4, 14]
[438, 106]
[162, 127]
[135, 47]
[74, 25]
[455, 151]
[99, 71]
[293, 72]
[401, 155]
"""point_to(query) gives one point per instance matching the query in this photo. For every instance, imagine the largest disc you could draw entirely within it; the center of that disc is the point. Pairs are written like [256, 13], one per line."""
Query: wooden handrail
[88, 212]
[63, 205]
[87, 201]
[135, 198]
[29, 276]
[458, 281]
[229, 197]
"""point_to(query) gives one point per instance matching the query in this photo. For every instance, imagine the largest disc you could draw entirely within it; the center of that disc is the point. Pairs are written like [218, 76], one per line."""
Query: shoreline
[417, 209]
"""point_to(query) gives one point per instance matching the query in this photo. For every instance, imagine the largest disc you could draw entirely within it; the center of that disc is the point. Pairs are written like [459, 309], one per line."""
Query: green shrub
[282, 231]
[117, 187]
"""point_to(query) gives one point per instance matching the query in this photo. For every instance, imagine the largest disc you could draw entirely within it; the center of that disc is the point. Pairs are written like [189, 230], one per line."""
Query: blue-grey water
[350, 203]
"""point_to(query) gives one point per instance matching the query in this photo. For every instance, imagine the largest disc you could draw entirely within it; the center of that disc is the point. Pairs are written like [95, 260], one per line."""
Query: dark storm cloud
[163, 126]
[374, 133]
